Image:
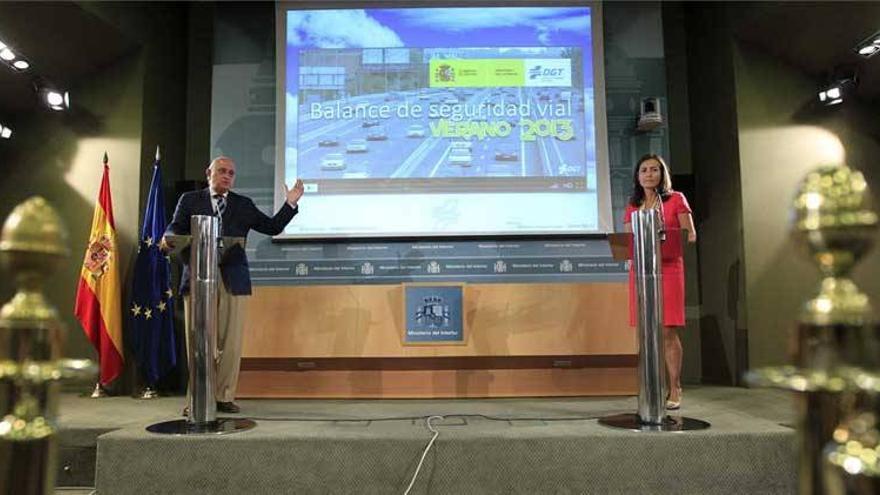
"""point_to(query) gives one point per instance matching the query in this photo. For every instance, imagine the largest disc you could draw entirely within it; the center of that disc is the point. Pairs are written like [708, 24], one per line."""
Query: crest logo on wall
[301, 270]
[433, 267]
[500, 267]
[433, 313]
[565, 266]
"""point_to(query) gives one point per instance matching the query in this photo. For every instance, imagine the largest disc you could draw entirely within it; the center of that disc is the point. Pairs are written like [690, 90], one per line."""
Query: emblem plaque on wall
[433, 313]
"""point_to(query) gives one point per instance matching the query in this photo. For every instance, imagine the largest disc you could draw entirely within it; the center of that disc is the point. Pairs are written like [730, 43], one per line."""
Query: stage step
[473, 454]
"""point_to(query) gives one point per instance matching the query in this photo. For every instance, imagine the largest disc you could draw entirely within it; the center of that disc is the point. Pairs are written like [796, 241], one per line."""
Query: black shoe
[228, 407]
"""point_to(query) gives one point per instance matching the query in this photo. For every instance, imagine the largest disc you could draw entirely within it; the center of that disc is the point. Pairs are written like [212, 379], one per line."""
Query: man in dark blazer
[238, 215]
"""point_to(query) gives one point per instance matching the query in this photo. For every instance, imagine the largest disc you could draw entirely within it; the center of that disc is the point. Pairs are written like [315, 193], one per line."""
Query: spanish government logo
[433, 312]
[444, 73]
[301, 270]
[98, 256]
[500, 267]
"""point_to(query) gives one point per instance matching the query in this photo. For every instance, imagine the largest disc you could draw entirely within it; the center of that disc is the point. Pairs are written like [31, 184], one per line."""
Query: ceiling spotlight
[831, 96]
[52, 97]
[5, 132]
[870, 46]
[12, 59]
[843, 82]
[868, 50]
[57, 100]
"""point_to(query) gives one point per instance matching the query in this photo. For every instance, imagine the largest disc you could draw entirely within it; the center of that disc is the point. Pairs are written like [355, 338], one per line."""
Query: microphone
[662, 230]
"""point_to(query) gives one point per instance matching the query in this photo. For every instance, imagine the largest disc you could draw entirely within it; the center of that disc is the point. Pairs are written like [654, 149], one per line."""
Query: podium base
[219, 427]
[632, 422]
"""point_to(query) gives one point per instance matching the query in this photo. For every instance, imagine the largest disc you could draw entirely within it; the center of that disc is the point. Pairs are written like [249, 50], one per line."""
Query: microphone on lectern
[662, 230]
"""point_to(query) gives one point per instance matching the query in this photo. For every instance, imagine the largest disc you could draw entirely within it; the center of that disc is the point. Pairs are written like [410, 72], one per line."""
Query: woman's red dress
[672, 266]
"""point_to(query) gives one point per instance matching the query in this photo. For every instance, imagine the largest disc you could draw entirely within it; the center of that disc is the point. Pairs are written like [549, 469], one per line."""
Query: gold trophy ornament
[33, 244]
[835, 345]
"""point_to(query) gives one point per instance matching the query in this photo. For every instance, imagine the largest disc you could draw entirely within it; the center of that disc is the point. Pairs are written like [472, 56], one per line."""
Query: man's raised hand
[295, 193]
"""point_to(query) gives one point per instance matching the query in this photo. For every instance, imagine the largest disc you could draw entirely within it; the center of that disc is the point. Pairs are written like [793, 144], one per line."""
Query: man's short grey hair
[221, 158]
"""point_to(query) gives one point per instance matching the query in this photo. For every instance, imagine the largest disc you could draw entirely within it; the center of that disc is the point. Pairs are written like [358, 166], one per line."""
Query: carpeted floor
[536, 445]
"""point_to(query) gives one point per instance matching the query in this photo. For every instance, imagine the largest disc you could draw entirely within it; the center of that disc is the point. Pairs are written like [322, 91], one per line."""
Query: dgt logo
[537, 70]
[547, 72]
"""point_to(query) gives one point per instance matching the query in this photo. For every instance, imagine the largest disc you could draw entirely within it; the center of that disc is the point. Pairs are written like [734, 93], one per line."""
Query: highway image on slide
[440, 99]
[373, 147]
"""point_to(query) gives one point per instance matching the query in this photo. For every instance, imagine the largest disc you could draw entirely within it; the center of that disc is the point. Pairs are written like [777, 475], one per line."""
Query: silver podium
[206, 249]
[648, 233]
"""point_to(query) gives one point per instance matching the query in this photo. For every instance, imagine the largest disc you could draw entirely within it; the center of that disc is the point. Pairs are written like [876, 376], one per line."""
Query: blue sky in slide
[440, 27]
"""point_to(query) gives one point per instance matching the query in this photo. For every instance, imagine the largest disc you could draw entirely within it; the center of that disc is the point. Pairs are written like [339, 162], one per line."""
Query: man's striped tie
[221, 209]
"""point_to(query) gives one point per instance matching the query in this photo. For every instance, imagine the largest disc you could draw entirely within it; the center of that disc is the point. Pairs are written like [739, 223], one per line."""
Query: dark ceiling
[64, 44]
[814, 36]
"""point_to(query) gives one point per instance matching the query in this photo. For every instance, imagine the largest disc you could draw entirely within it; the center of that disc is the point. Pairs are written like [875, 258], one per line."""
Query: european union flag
[152, 306]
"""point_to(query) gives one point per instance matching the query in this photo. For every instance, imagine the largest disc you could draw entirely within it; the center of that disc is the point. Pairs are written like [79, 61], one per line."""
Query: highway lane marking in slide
[548, 172]
[558, 155]
[412, 161]
[440, 161]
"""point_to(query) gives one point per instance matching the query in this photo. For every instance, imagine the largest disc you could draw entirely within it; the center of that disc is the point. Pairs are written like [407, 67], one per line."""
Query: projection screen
[438, 122]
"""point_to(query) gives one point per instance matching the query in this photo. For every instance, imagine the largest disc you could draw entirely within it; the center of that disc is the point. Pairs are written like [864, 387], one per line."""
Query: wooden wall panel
[341, 324]
[438, 383]
[502, 320]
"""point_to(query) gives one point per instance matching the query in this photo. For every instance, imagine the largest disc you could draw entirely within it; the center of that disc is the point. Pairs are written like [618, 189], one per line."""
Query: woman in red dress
[652, 188]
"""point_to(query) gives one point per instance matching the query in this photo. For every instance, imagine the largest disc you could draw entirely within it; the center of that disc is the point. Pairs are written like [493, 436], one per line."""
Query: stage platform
[528, 446]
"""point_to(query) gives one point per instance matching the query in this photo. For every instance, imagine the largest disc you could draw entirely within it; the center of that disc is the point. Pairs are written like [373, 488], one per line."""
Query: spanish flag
[97, 294]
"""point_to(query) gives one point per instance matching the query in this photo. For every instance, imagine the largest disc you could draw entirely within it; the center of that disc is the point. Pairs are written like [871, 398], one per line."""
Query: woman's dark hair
[663, 189]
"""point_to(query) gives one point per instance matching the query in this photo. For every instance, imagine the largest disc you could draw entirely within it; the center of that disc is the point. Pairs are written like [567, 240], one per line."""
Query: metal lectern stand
[206, 248]
[651, 416]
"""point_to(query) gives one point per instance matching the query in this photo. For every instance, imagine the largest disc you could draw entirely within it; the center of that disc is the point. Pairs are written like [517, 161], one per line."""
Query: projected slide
[441, 121]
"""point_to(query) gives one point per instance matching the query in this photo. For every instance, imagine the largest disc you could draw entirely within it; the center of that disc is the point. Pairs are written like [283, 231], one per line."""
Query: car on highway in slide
[415, 130]
[460, 156]
[333, 161]
[461, 144]
[506, 154]
[370, 123]
[328, 141]
[356, 146]
[377, 134]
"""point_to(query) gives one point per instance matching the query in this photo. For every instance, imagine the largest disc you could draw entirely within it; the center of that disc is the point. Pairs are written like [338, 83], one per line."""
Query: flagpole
[152, 306]
[98, 392]
[150, 392]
